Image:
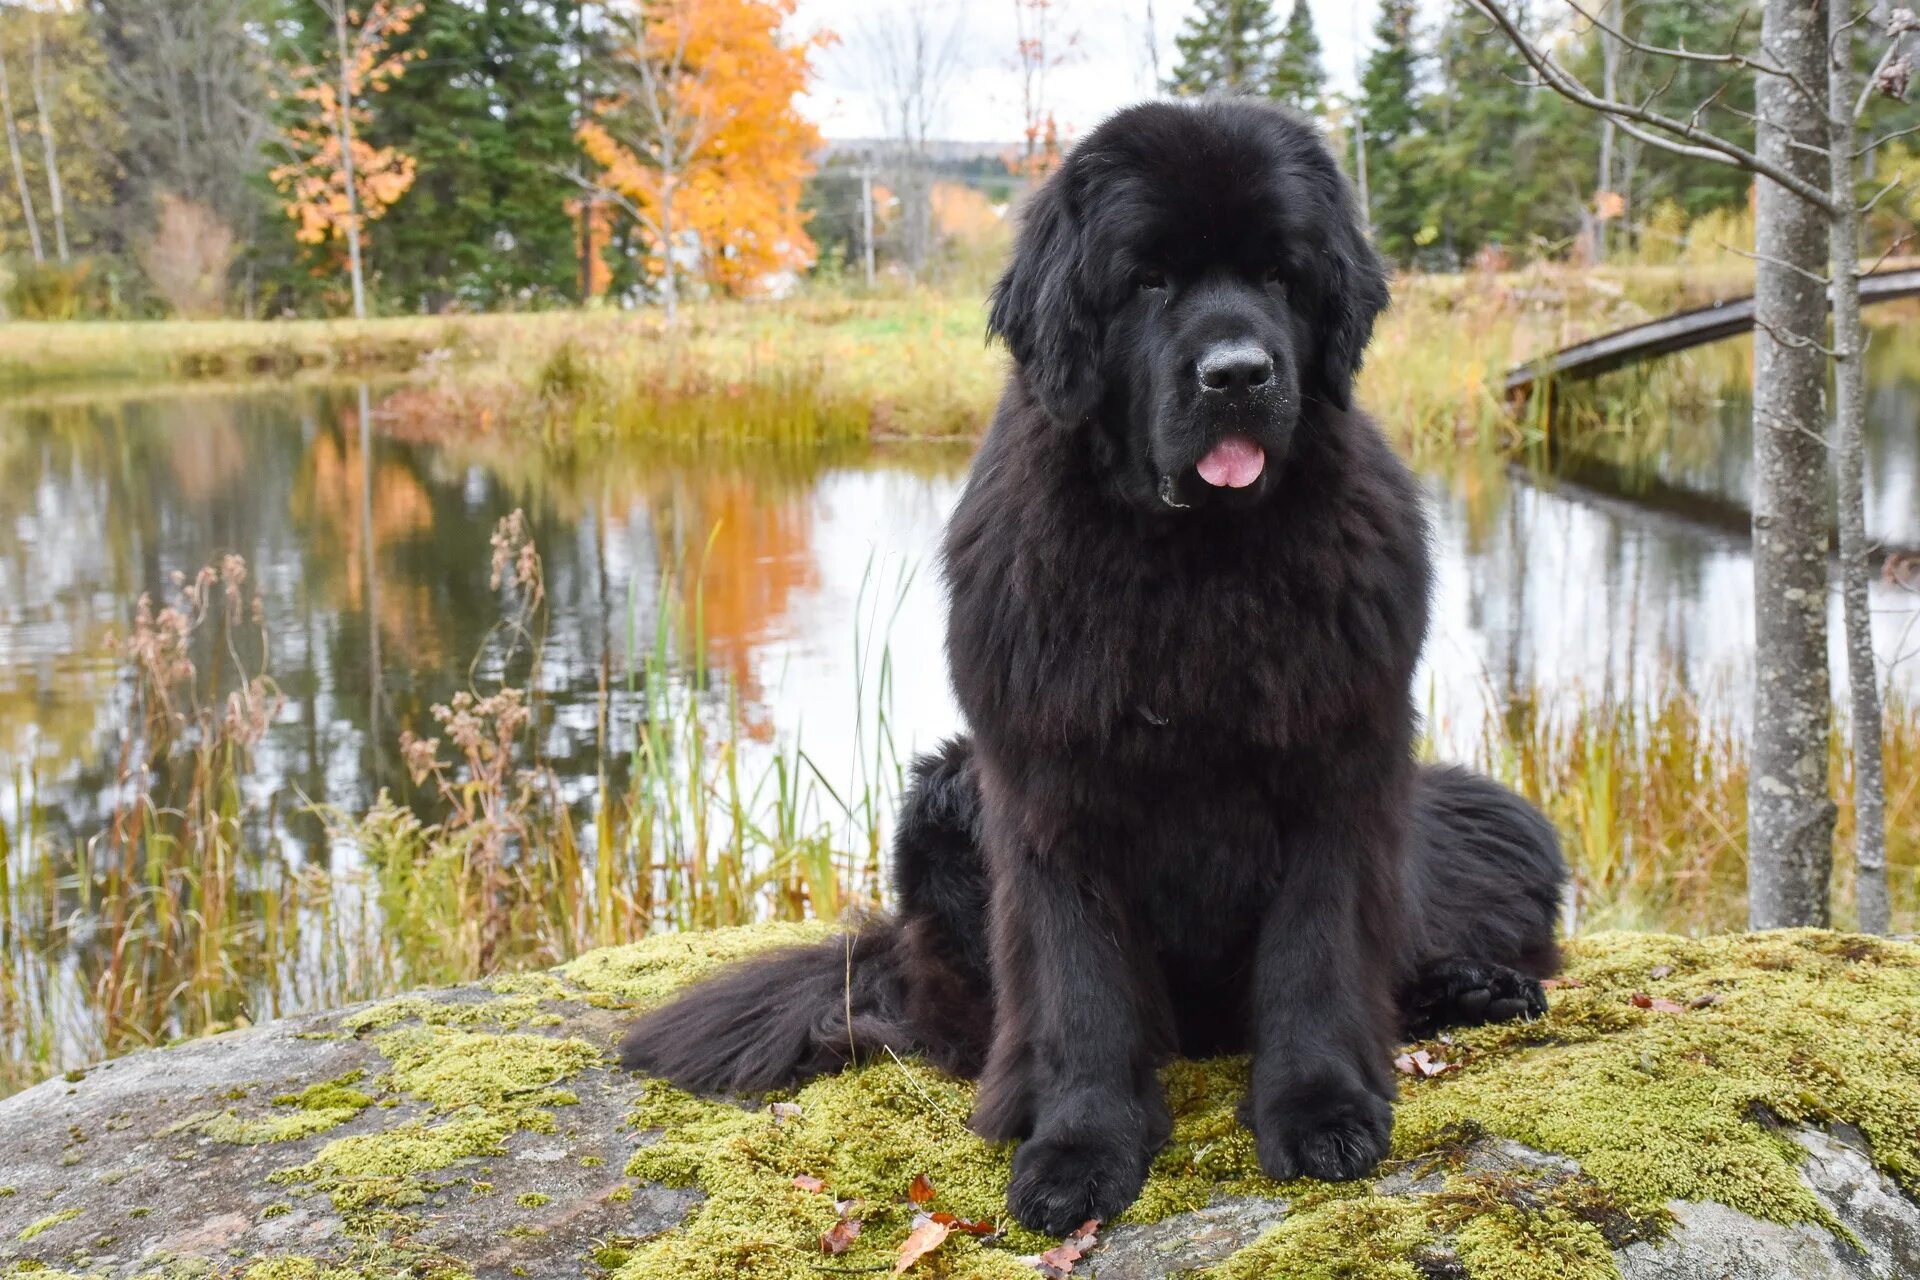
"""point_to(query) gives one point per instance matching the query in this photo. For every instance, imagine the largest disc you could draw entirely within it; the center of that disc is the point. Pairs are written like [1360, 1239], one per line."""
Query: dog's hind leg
[1484, 878]
[1461, 992]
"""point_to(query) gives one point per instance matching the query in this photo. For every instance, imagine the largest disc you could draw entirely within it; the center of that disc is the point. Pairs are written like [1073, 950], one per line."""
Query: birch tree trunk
[19, 167]
[1849, 453]
[345, 108]
[1789, 812]
[56, 198]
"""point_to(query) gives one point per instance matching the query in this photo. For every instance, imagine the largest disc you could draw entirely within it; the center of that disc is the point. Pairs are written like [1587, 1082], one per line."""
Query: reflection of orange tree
[328, 499]
[759, 557]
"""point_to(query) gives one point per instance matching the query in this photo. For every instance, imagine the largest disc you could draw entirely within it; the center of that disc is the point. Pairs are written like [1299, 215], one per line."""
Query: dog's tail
[774, 1020]
[914, 983]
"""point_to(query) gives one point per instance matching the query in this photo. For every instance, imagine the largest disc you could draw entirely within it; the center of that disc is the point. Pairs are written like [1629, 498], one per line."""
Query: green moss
[279, 1210]
[453, 1069]
[316, 1109]
[141, 1212]
[1515, 1244]
[8, 1191]
[1809, 1027]
[650, 970]
[1360, 1238]
[533, 1199]
[1659, 1106]
[522, 1002]
[481, 1088]
[48, 1223]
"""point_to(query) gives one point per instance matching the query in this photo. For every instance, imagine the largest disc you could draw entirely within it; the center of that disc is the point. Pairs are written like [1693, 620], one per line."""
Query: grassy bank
[826, 368]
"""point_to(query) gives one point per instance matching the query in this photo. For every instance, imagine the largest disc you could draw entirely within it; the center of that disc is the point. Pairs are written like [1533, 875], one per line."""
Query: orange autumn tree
[334, 183]
[700, 144]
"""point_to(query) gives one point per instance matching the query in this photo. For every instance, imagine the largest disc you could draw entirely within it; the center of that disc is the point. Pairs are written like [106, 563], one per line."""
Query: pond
[752, 641]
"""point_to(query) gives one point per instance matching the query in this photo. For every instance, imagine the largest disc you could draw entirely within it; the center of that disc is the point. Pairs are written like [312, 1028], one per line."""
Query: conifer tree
[1228, 46]
[1299, 78]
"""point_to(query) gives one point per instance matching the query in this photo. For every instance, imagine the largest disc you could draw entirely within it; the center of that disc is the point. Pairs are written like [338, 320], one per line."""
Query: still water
[814, 580]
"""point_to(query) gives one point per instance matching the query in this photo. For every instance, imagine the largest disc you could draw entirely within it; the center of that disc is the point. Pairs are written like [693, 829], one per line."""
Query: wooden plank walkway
[1676, 332]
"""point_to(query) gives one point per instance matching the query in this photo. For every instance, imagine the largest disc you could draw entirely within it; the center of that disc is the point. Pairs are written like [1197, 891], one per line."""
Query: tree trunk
[1849, 452]
[19, 167]
[669, 284]
[1789, 812]
[1609, 87]
[56, 199]
[345, 108]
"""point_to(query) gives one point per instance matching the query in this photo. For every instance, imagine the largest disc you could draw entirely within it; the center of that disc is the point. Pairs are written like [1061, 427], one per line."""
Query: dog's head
[1190, 279]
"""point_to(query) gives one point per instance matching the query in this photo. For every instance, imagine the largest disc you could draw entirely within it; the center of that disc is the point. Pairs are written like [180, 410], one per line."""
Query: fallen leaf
[966, 1225]
[1558, 984]
[1659, 1004]
[1423, 1064]
[926, 1236]
[807, 1182]
[836, 1239]
[1640, 1000]
[1660, 971]
[847, 1208]
[1057, 1262]
[1703, 1000]
[921, 1191]
[784, 1111]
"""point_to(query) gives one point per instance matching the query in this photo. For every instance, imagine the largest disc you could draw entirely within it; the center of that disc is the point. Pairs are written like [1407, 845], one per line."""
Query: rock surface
[481, 1131]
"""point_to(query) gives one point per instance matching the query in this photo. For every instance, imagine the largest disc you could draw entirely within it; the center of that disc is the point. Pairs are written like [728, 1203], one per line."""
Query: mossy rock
[1731, 1107]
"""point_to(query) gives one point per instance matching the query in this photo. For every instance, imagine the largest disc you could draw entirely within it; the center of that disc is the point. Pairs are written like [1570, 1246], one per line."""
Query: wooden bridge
[1673, 333]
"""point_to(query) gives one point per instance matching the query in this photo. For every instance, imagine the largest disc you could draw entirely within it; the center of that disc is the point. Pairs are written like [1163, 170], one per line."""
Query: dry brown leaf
[840, 1236]
[784, 1111]
[1423, 1064]
[921, 1191]
[1703, 1000]
[807, 1182]
[1660, 971]
[1057, 1262]
[1561, 984]
[926, 1236]
[983, 1227]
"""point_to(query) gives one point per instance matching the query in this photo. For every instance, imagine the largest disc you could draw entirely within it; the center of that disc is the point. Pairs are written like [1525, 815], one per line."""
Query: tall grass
[1649, 793]
[184, 914]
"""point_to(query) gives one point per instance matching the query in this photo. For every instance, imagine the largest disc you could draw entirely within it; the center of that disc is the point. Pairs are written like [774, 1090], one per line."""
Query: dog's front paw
[1057, 1185]
[1334, 1137]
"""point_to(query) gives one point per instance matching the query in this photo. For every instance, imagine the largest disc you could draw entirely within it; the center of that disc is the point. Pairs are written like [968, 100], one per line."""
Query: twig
[1816, 277]
[1702, 145]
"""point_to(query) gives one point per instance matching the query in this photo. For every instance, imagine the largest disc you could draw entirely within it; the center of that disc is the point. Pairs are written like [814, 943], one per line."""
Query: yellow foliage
[314, 181]
[706, 140]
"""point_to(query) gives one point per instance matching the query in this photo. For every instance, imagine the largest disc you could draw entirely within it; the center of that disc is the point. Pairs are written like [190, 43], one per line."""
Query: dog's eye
[1148, 278]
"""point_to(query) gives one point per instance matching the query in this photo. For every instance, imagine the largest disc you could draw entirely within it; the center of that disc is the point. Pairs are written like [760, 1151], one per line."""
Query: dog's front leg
[1321, 1103]
[1071, 1070]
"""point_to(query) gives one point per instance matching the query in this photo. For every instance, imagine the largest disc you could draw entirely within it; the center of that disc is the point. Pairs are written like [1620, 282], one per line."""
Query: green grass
[828, 368]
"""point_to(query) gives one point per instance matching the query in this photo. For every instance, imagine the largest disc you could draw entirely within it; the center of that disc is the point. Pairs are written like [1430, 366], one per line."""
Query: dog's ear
[1355, 293]
[1043, 306]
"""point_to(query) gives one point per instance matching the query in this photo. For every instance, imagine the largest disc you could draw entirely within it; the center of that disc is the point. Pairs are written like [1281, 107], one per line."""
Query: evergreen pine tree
[1299, 79]
[1228, 46]
[1390, 115]
[487, 113]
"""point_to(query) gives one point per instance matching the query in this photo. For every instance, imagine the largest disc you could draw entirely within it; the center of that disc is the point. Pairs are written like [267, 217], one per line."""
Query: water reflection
[811, 579]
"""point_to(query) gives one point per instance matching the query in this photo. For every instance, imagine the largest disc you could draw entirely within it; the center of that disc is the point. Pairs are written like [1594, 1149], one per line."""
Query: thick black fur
[1187, 819]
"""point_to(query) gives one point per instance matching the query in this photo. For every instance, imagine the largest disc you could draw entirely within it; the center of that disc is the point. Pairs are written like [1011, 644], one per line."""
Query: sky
[1108, 66]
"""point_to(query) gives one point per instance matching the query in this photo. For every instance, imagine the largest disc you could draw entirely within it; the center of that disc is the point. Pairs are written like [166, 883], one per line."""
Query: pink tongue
[1234, 463]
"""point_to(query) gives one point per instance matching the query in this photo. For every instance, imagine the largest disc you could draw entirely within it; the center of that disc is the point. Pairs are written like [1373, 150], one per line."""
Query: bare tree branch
[1659, 130]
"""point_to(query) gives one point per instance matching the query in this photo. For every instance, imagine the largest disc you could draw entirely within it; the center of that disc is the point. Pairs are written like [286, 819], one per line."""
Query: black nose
[1234, 366]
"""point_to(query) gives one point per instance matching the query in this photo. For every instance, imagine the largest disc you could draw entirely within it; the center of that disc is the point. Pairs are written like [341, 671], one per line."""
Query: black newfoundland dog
[1188, 589]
